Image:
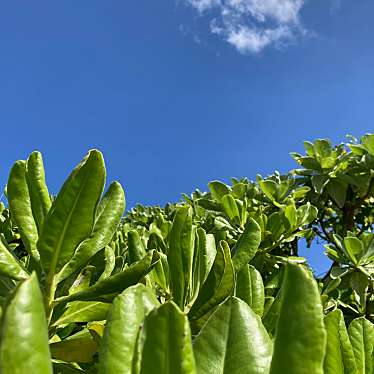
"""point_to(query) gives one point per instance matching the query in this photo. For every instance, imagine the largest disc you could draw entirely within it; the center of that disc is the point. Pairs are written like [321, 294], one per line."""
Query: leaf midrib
[60, 321]
[66, 225]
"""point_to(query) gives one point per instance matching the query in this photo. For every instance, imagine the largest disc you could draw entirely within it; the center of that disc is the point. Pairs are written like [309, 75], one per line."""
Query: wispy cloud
[335, 6]
[252, 25]
[202, 5]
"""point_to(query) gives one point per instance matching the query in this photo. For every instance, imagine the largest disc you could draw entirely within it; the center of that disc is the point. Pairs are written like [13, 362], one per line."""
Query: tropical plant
[212, 284]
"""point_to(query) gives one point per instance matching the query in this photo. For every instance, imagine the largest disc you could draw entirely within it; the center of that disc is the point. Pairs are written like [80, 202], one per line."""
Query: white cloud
[283, 11]
[250, 40]
[252, 25]
[202, 5]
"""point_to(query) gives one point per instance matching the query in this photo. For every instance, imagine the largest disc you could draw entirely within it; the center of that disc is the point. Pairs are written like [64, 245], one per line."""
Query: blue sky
[178, 93]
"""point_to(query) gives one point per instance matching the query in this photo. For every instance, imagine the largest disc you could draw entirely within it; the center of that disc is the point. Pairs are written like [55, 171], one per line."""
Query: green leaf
[309, 148]
[247, 245]
[271, 314]
[204, 255]
[75, 350]
[135, 246]
[250, 288]
[337, 271]
[217, 287]
[231, 209]
[361, 335]
[83, 311]
[290, 213]
[368, 142]
[24, 335]
[338, 191]
[322, 148]
[309, 163]
[306, 213]
[300, 192]
[110, 263]
[120, 335]
[269, 300]
[9, 265]
[72, 214]
[239, 189]
[116, 283]
[359, 283]
[233, 341]
[166, 342]
[180, 255]
[218, 190]
[275, 225]
[269, 188]
[357, 149]
[339, 357]
[108, 216]
[83, 280]
[207, 254]
[354, 248]
[334, 254]
[319, 182]
[209, 205]
[160, 272]
[332, 285]
[300, 339]
[20, 206]
[368, 257]
[39, 195]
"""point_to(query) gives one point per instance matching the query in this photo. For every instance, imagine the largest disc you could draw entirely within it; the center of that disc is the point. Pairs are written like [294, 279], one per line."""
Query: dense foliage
[212, 284]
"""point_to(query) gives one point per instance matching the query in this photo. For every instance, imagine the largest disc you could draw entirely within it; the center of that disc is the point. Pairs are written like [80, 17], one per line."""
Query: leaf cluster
[211, 284]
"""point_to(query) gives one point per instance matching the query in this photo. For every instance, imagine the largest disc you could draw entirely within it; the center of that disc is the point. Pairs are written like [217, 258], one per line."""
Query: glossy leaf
[39, 194]
[125, 317]
[180, 255]
[361, 335]
[275, 225]
[160, 272]
[229, 204]
[339, 357]
[270, 316]
[217, 287]
[218, 190]
[84, 311]
[9, 265]
[354, 248]
[83, 280]
[338, 191]
[359, 283]
[72, 215]
[24, 336]
[135, 246]
[250, 288]
[166, 342]
[204, 255]
[20, 206]
[269, 188]
[115, 283]
[233, 341]
[319, 182]
[247, 245]
[108, 216]
[110, 263]
[290, 214]
[75, 350]
[300, 338]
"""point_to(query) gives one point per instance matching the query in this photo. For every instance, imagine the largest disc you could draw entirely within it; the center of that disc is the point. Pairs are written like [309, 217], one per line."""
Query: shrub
[211, 284]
